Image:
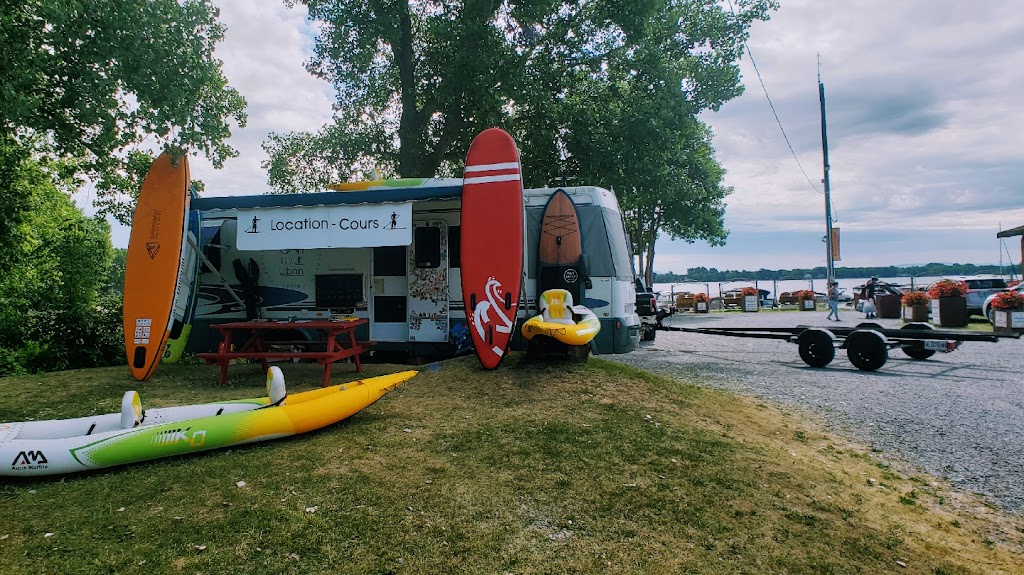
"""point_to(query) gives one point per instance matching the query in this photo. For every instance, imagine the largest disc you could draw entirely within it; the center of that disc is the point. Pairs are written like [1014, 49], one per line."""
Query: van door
[388, 312]
[428, 282]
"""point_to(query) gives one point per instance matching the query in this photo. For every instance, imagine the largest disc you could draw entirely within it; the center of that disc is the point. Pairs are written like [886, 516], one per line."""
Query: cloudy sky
[925, 129]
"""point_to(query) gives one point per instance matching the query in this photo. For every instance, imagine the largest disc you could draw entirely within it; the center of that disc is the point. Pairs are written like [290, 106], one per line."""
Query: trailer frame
[867, 344]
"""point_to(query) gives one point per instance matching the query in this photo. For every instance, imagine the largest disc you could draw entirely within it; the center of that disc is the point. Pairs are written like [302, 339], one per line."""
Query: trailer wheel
[650, 333]
[816, 347]
[916, 350]
[869, 325]
[867, 350]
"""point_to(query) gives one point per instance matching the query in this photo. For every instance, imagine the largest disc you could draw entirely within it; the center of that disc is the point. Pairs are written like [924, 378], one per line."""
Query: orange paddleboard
[154, 256]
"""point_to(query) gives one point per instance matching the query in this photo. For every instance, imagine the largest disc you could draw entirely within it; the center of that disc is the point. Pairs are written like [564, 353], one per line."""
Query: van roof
[432, 189]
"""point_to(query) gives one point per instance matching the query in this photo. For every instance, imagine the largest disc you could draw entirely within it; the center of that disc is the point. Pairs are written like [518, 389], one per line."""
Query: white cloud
[924, 127]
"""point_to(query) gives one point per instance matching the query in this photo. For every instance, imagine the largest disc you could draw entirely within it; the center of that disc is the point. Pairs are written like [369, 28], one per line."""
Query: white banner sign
[356, 226]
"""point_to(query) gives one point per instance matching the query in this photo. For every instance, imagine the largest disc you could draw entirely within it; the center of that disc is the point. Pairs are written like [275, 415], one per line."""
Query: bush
[1008, 300]
[915, 298]
[947, 288]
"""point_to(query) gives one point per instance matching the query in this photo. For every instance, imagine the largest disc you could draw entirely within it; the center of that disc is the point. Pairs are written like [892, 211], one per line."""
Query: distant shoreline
[702, 275]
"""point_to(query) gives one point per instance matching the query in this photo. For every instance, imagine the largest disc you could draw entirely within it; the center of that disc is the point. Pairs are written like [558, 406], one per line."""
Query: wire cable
[775, 113]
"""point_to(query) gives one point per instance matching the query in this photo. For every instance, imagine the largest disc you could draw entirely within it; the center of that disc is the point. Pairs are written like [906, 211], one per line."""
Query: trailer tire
[650, 333]
[867, 350]
[817, 347]
[916, 350]
[869, 325]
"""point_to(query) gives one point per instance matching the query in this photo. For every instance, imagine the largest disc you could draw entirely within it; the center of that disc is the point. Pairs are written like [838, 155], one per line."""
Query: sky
[925, 130]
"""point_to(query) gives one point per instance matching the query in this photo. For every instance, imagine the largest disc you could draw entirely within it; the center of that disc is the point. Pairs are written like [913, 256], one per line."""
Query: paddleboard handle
[472, 301]
[508, 300]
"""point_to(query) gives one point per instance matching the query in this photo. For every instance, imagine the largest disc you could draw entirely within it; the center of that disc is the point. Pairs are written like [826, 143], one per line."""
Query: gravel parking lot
[957, 415]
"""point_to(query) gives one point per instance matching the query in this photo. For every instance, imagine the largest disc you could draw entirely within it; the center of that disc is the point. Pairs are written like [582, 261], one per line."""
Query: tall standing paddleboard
[560, 249]
[492, 242]
[154, 259]
[186, 297]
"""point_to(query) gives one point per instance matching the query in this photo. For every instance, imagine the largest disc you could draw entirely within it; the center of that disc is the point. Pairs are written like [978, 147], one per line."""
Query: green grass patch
[533, 468]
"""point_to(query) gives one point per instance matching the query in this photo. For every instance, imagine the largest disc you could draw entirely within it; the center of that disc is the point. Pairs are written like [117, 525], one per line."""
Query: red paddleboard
[154, 257]
[492, 243]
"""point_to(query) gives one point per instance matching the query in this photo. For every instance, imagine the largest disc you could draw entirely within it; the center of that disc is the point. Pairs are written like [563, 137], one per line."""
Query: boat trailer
[867, 345]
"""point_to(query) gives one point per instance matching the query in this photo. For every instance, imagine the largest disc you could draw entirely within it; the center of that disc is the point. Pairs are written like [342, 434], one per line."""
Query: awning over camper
[1017, 231]
[436, 192]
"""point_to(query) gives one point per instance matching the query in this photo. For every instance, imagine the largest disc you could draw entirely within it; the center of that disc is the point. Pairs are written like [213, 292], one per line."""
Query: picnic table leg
[352, 343]
[224, 371]
[327, 373]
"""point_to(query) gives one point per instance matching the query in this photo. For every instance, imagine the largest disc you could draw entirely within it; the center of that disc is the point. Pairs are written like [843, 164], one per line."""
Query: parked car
[978, 289]
[986, 308]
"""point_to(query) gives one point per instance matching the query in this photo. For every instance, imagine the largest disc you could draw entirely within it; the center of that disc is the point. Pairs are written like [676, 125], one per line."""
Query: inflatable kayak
[29, 448]
[559, 319]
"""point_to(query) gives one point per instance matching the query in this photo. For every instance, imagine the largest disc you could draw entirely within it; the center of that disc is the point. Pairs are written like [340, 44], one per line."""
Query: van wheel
[649, 334]
[578, 353]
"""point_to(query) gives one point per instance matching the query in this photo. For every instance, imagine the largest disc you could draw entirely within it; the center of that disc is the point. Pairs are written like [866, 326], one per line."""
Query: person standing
[868, 295]
[833, 300]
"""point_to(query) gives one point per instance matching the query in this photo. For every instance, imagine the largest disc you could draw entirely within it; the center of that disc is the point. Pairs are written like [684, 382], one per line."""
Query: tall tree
[90, 82]
[607, 89]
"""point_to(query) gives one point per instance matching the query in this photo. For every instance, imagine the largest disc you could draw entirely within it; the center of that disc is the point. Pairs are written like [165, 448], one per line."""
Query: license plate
[940, 345]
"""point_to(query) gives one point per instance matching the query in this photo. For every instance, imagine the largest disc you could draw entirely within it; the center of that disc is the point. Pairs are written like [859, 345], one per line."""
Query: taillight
[654, 303]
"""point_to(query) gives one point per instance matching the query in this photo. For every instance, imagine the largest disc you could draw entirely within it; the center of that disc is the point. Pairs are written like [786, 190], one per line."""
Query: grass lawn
[528, 469]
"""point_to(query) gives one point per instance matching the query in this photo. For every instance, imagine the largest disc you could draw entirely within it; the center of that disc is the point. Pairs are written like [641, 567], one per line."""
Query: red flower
[915, 298]
[1008, 300]
[700, 297]
[748, 291]
[804, 294]
[947, 288]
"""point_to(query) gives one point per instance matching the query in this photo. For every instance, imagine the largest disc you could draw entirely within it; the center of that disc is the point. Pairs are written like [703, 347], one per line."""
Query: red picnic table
[339, 343]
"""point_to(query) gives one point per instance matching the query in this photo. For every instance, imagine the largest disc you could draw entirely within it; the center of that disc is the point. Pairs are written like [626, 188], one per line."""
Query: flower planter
[1008, 321]
[950, 311]
[887, 306]
[808, 305]
[700, 307]
[916, 313]
[750, 303]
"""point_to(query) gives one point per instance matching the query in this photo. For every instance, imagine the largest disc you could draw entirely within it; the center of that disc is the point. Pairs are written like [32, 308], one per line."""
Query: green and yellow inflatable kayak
[29, 448]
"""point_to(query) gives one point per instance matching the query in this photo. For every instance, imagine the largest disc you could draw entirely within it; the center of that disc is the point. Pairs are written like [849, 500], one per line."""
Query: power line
[776, 114]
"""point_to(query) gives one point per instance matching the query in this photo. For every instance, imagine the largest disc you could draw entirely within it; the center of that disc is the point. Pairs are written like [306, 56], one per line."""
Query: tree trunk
[409, 124]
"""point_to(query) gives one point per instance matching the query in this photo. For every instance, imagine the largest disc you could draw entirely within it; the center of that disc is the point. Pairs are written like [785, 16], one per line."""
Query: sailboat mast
[830, 269]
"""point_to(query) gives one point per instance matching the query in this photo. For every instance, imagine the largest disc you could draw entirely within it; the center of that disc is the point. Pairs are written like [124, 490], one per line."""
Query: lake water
[715, 289]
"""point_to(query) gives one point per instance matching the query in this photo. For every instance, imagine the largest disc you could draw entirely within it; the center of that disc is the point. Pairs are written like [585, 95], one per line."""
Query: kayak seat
[556, 306]
[275, 386]
[131, 410]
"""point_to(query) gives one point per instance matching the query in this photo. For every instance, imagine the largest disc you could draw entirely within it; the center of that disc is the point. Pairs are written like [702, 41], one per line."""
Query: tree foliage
[89, 82]
[52, 312]
[606, 91]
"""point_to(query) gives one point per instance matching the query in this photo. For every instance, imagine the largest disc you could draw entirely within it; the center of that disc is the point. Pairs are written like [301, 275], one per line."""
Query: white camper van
[389, 255]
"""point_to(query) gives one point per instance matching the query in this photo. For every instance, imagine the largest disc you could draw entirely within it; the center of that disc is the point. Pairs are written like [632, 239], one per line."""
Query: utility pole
[830, 269]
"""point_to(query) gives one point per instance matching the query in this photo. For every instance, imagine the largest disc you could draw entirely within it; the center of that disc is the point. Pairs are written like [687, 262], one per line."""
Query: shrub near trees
[54, 313]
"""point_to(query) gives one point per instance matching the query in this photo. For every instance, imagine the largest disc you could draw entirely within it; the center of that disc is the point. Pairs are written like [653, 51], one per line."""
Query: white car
[987, 306]
[979, 289]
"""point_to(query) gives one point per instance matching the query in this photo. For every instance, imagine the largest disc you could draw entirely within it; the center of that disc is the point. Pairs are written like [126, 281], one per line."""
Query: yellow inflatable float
[561, 320]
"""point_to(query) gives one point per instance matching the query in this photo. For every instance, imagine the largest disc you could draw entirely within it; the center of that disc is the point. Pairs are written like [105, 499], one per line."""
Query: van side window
[454, 246]
[389, 261]
[427, 243]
